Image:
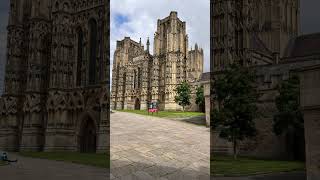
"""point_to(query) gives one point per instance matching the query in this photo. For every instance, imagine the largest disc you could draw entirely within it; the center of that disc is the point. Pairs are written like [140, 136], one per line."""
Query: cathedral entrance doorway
[137, 104]
[88, 137]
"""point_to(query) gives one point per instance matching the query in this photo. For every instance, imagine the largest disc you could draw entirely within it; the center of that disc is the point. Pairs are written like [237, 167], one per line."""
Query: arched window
[93, 51]
[79, 59]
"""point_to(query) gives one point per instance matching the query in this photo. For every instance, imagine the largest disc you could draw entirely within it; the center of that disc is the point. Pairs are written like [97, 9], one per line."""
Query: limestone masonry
[139, 78]
[56, 95]
[264, 35]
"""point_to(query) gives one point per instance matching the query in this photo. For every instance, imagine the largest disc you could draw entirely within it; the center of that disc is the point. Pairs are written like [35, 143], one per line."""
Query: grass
[226, 166]
[97, 160]
[166, 114]
[2, 163]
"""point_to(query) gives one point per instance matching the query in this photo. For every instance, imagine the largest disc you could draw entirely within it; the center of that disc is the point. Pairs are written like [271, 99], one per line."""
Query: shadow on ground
[150, 171]
[276, 176]
[198, 120]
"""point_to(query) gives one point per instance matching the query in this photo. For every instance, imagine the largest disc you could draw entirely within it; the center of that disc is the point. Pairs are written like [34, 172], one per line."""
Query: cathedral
[56, 94]
[265, 35]
[140, 78]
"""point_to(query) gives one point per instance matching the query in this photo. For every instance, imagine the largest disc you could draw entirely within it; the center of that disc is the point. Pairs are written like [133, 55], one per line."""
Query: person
[4, 157]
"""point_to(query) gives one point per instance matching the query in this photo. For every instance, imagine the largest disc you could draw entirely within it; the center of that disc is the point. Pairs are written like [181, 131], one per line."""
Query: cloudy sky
[138, 19]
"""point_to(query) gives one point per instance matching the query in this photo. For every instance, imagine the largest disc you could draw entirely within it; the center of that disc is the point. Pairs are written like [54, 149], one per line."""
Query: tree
[183, 95]
[200, 100]
[236, 96]
[288, 120]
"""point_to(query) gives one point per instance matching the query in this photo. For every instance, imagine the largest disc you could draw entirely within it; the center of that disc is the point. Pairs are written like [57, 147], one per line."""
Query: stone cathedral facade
[263, 34]
[56, 94]
[139, 77]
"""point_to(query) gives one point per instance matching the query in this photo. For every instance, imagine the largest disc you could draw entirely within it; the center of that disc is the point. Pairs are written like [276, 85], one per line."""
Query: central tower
[170, 55]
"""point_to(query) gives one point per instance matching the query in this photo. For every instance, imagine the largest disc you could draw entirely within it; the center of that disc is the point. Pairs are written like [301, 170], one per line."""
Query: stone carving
[41, 89]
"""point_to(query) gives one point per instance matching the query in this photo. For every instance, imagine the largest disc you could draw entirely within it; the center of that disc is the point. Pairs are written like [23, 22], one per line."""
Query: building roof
[257, 44]
[305, 45]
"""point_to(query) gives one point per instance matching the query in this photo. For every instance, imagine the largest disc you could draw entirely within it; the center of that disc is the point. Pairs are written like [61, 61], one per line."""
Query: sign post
[153, 108]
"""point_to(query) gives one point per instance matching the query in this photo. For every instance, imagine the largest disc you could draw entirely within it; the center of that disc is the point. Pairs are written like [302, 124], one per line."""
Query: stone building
[310, 102]
[56, 93]
[263, 35]
[139, 77]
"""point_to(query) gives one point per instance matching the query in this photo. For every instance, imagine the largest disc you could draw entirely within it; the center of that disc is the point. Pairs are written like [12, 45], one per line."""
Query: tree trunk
[235, 152]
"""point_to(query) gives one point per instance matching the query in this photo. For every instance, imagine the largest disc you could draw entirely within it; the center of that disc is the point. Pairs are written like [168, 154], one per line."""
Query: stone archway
[137, 104]
[88, 136]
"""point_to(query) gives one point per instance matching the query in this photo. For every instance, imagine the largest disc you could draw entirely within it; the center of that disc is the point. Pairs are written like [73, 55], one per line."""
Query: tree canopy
[183, 94]
[236, 96]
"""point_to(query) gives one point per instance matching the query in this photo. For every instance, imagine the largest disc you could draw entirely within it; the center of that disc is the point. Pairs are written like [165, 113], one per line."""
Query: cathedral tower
[170, 51]
[242, 26]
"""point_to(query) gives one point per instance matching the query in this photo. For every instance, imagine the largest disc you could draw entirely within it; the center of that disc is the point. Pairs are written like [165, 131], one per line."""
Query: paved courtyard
[41, 169]
[144, 147]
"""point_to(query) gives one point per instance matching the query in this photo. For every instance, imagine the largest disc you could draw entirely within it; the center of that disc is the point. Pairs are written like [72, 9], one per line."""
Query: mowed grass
[91, 159]
[2, 163]
[226, 166]
[166, 114]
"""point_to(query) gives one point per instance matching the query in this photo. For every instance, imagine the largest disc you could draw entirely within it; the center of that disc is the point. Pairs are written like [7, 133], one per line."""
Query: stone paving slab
[144, 147]
[42, 169]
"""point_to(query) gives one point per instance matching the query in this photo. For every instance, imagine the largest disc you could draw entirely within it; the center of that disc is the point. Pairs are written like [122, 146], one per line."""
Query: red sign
[153, 110]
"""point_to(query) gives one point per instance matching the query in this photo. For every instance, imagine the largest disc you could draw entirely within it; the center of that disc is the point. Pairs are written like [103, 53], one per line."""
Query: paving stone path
[146, 148]
[41, 169]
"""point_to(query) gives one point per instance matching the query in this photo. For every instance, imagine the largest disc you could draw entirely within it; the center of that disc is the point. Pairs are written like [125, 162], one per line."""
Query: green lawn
[98, 160]
[166, 114]
[2, 163]
[226, 166]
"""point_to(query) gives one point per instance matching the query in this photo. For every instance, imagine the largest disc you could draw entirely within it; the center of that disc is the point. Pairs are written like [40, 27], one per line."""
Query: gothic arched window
[93, 51]
[79, 59]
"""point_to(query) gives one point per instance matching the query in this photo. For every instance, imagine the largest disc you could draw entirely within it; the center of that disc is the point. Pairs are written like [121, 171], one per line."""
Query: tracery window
[93, 51]
[80, 53]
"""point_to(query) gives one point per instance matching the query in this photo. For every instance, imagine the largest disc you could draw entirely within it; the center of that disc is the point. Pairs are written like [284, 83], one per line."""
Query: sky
[138, 19]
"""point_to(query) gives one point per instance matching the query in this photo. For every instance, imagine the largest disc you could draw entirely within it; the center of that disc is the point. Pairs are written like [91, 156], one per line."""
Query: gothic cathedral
[140, 78]
[57, 74]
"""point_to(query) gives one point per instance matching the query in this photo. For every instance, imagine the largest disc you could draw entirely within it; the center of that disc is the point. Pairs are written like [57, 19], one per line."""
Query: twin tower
[140, 78]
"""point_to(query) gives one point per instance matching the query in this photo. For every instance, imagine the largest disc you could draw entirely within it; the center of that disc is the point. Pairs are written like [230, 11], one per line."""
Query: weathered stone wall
[310, 102]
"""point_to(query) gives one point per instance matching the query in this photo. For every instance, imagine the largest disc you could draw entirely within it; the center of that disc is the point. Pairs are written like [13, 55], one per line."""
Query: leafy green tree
[200, 100]
[236, 96]
[288, 120]
[183, 95]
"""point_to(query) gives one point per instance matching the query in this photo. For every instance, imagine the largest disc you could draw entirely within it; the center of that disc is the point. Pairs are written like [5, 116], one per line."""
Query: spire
[148, 45]
[196, 46]
[140, 42]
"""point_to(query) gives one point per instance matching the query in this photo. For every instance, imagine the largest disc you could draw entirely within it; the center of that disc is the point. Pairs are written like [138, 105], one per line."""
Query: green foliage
[183, 95]
[91, 159]
[288, 120]
[200, 100]
[289, 116]
[236, 95]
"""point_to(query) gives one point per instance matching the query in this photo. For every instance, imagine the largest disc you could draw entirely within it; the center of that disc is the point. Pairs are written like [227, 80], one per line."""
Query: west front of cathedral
[56, 96]
[140, 78]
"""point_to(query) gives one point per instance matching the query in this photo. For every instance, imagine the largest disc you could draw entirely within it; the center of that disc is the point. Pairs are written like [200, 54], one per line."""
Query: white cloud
[143, 15]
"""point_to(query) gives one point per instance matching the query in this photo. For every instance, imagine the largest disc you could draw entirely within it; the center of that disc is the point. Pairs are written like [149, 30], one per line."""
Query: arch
[79, 57]
[87, 141]
[93, 50]
[88, 137]
[137, 104]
